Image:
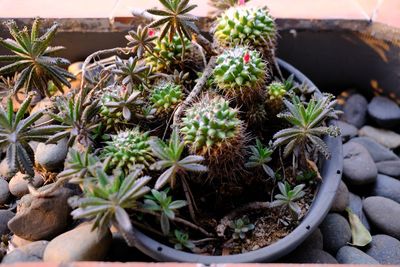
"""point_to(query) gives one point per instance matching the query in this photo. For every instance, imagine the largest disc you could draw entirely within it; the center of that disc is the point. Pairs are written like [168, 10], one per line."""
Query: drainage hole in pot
[308, 227]
[338, 171]
[159, 249]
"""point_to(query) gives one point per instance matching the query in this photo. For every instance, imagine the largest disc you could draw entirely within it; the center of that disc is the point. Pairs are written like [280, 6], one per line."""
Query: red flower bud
[241, 2]
[151, 32]
[246, 57]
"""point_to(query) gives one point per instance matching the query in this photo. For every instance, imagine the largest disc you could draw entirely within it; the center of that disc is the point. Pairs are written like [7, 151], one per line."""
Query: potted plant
[194, 150]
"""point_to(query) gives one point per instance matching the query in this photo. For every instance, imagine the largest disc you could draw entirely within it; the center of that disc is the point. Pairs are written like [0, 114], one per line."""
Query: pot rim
[331, 173]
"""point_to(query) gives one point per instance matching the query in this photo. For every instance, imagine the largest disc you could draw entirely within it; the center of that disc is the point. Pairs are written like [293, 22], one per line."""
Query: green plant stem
[178, 220]
[129, 236]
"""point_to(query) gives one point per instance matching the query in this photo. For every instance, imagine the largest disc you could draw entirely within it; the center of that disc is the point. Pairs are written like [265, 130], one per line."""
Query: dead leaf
[359, 234]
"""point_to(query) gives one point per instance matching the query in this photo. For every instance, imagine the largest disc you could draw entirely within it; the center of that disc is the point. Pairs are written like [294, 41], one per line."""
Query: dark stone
[355, 204]
[384, 214]
[377, 151]
[4, 191]
[385, 249]
[314, 241]
[5, 216]
[352, 255]
[341, 200]
[336, 232]
[347, 130]
[390, 168]
[388, 187]
[311, 256]
[358, 165]
[384, 111]
[41, 218]
[355, 110]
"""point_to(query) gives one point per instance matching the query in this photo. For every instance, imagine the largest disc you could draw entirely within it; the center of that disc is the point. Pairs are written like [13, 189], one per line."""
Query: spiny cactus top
[276, 90]
[165, 97]
[208, 123]
[128, 148]
[240, 72]
[166, 52]
[246, 26]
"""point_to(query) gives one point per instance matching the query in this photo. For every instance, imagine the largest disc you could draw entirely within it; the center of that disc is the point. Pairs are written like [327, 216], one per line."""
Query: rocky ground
[41, 227]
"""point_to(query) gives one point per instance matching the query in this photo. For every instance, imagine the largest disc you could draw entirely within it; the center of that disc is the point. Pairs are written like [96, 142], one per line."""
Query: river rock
[355, 110]
[5, 216]
[377, 151]
[17, 241]
[310, 256]
[352, 255]
[5, 170]
[32, 252]
[52, 156]
[43, 105]
[19, 185]
[390, 167]
[355, 204]
[79, 244]
[341, 200]
[384, 111]
[347, 130]
[336, 232]
[384, 214]
[358, 165]
[386, 186]
[384, 137]
[385, 249]
[41, 218]
[4, 191]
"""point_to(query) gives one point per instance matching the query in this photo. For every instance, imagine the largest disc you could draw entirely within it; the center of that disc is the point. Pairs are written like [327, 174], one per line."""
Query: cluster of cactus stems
[162, 122]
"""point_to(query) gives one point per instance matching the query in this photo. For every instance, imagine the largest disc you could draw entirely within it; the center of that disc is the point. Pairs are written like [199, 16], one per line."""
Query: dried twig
[196, 90]
[178, 220]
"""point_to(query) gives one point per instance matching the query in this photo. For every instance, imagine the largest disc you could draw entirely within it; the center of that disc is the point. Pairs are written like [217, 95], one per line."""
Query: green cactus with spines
[211, 128]
[275, 92]
[166, 97]
[242, 25]
[109, 117]
[167, 53]
[240, 73]
[127, 150]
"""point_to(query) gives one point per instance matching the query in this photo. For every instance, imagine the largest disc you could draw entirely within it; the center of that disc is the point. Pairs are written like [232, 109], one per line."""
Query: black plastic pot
[331, 173]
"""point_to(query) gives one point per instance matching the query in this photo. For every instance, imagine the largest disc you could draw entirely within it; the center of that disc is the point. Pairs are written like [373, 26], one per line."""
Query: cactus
[167, 53]
[128, 150]
[275, 94]
[243, 25]
[212, 129]
[165, 97]
[240, 74]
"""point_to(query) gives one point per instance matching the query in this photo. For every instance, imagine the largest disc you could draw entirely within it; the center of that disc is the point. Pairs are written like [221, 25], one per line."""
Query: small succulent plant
[106, 198]
[276, 92]
[181, 241]
[166, 97]
[79, 165]
[288, 197]
[175, 20]
[242, 25]
[212, 129]
[260, 156]
[307, 121]
[167, 54]
[7, 85]
[78, 117]
[121, 107]
[241, 227]
[171, 158]
[16, 132]
[127, 150]
[32, 59]
[240, 73]
[161, 202]
[130, 73]
[141, 41]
